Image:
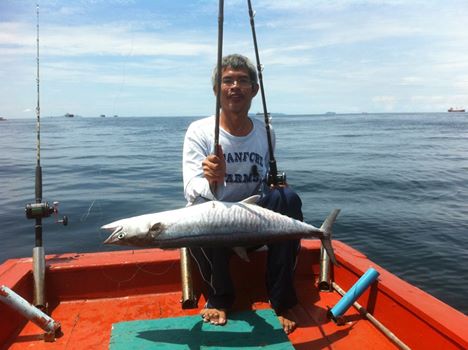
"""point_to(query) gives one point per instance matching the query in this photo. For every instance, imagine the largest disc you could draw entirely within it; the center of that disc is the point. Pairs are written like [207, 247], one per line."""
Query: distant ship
[456, 110]
[69, 115]
[2, 119]
[102, 115]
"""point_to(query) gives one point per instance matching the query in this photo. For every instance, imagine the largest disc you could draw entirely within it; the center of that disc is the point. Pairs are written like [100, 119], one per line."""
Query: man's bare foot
[287, 320]
[214, 316]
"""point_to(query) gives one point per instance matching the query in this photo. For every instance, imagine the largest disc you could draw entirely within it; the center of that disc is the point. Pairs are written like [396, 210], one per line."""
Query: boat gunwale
[430, 310]
[445, 320]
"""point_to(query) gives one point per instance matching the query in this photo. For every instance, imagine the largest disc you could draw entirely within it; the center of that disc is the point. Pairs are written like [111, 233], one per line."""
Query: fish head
[117, 236]
[137, 233]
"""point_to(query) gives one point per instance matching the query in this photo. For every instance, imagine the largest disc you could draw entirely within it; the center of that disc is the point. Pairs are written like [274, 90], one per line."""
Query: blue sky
[151, 58]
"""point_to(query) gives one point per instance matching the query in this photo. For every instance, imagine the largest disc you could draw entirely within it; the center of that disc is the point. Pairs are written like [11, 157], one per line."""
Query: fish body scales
[216, 224]
[219, 223]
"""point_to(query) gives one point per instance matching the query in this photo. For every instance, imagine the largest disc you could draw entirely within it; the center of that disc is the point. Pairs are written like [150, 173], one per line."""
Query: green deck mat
[245, 330]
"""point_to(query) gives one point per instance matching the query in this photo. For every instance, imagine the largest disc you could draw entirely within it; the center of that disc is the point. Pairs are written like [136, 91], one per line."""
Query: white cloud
[380, 55]
[105, 39]
[412, 80]
[385, 103]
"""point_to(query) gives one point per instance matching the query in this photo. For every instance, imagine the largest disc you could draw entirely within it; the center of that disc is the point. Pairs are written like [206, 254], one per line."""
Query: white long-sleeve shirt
[246, 161]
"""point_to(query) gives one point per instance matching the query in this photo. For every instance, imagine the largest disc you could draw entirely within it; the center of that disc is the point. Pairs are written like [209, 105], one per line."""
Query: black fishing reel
[44, 210]
[278, 179]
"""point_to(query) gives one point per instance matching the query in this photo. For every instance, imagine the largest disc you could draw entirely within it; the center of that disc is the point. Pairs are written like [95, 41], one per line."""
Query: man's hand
[214, 167]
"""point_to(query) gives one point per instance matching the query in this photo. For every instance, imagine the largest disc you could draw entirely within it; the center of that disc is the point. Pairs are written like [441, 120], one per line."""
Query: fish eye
[121, 236]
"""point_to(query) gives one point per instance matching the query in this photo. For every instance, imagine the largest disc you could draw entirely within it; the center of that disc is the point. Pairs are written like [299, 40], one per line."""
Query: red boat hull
[87, 293]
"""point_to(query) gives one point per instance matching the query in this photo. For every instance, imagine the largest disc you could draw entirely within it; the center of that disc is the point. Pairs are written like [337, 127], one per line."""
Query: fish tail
[326, 228]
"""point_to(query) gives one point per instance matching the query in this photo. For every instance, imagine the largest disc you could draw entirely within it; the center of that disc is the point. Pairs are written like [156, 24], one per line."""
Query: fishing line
[85, 216]
[124, 74]
[119, 282]
[138, 269]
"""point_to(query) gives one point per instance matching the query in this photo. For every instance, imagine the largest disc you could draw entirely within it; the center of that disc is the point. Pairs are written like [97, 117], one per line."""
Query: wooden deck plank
[87, 324]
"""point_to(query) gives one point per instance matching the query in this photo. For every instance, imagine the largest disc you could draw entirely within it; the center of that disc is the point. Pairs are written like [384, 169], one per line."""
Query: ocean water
[401, 181]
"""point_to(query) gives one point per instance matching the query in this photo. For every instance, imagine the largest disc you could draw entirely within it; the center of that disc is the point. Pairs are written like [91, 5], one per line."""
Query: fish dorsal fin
[251, 199]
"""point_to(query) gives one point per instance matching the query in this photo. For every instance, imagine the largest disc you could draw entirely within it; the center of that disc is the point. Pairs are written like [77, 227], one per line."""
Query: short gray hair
[236, 62]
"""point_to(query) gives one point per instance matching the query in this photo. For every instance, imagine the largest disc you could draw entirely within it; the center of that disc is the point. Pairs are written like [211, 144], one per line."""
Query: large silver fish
[215, 223]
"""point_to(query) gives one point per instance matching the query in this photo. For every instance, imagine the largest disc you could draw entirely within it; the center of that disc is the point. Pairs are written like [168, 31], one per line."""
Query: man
[232, 173]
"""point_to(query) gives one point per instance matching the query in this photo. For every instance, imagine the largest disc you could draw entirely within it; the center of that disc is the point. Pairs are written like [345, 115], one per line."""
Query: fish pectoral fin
[156, 229]
[251, 199]
[242, 252]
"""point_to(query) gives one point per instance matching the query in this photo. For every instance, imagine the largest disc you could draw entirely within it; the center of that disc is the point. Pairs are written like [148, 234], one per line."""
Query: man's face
[237, 90]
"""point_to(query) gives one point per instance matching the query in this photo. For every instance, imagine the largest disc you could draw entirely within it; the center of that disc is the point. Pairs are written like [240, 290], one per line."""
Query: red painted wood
[87, 293]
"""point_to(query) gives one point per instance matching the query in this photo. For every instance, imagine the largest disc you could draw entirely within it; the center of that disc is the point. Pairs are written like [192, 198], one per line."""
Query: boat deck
[86, 324]
[88, 293]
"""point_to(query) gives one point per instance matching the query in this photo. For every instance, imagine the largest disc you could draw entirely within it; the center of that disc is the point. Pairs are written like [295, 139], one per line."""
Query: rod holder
[324, 282]
[33, 314]
[39, 277]
[188, 301]
[352, 295]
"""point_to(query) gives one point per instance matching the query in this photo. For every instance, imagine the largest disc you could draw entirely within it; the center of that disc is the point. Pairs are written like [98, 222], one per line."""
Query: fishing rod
[39, 210]
[189, 300]
[218, 78]
[273, 177]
